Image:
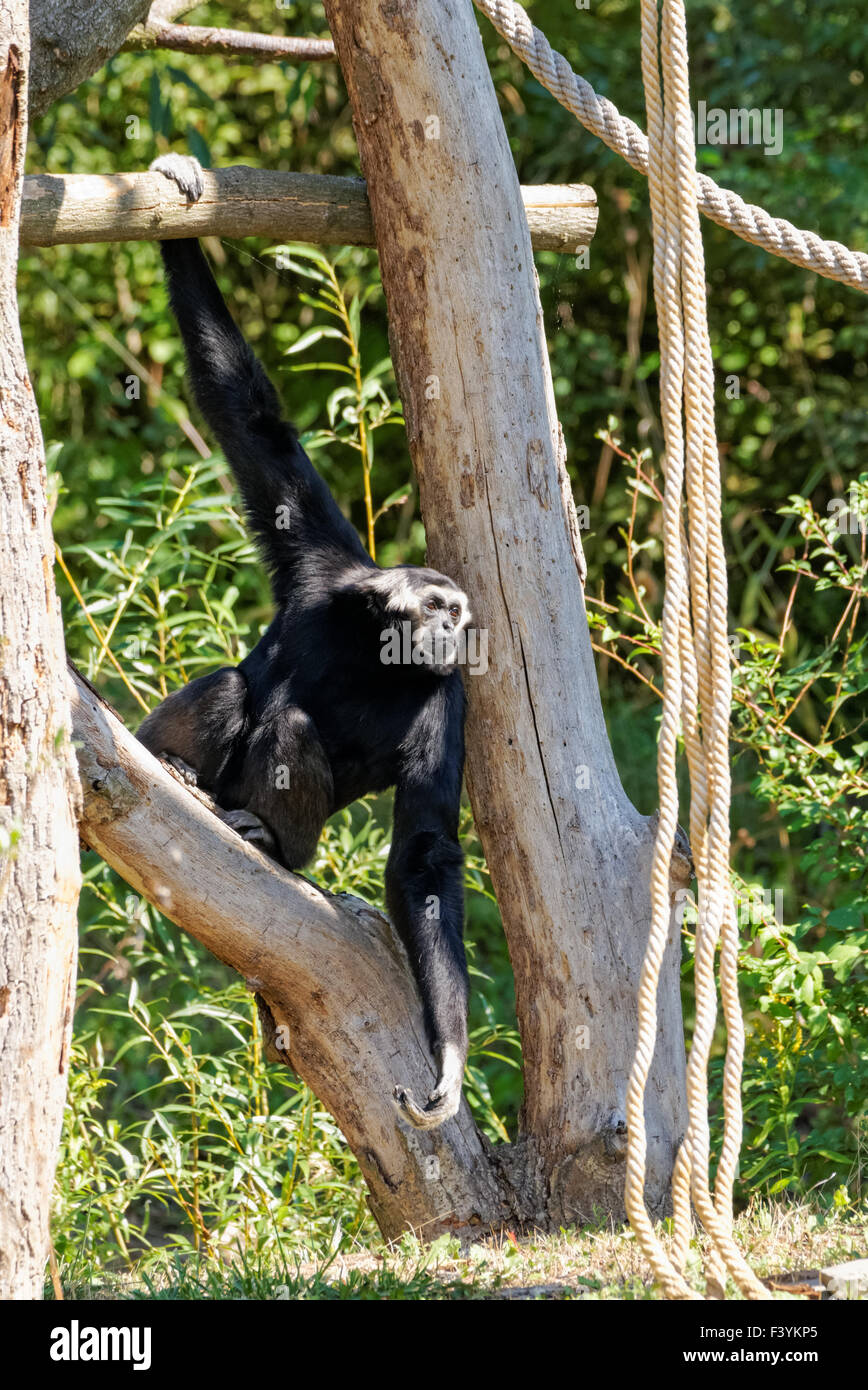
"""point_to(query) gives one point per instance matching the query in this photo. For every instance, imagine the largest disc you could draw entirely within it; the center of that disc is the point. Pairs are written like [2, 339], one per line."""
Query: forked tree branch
[330, 969]
[71, 39]
[164, 11]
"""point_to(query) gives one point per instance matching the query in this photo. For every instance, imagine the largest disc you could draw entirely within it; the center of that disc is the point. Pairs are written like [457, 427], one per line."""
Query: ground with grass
[785, 1243]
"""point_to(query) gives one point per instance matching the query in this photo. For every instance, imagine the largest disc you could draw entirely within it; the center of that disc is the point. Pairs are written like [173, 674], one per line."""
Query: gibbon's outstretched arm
[293, 515]
[425, 891]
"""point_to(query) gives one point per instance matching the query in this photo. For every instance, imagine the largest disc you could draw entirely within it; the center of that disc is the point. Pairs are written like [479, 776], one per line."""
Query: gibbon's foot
[184, 771]
[443, 1101]
[183, 170]
[251, 829]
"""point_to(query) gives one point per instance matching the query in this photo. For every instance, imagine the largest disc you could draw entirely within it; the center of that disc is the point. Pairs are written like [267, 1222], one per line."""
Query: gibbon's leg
[286, 782]
[196, 728]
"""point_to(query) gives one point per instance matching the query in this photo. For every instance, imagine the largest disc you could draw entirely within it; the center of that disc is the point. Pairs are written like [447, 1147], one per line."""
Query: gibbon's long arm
[425, 891]
[294, 516]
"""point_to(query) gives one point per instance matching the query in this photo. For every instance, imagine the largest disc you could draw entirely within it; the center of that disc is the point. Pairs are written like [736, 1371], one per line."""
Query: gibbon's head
[436, 612]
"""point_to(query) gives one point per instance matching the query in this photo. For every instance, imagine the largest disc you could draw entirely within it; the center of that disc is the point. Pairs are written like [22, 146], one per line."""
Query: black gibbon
[315, 717]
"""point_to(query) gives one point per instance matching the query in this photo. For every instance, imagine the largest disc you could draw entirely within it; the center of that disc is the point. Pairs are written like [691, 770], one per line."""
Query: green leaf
[313, 335]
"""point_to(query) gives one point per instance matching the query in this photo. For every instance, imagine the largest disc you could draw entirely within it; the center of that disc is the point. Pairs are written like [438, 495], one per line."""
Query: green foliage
[357, 409]
[808, 1055]
[178, 1138]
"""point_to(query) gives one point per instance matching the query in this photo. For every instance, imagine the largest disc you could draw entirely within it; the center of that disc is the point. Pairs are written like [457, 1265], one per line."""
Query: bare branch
[72, 39]
[231, 43]
[239, 201]
[330, 969]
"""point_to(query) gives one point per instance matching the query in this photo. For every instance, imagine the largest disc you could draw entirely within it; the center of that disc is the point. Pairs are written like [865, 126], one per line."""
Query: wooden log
[239, 201]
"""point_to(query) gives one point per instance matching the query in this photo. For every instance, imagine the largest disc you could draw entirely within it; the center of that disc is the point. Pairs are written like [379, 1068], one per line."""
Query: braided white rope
[675, 640]
[727, 209]
[696, 687]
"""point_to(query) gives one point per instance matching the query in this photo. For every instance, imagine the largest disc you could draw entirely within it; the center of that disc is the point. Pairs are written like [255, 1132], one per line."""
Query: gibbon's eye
[454, 612]
[430, 606]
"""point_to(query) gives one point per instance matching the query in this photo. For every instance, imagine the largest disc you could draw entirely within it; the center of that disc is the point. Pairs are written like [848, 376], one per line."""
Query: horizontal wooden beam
[239, 201]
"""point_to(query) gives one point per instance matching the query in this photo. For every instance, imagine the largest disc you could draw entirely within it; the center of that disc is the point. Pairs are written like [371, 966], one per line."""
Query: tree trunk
[39, 872]
[568, 853]
[71, 39]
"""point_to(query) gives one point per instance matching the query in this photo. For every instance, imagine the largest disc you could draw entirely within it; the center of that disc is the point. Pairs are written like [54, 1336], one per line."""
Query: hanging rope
[696, 685]
[727, 209]
[667, 294]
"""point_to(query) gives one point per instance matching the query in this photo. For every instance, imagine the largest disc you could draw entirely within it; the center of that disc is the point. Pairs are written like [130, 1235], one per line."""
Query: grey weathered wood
[71, 39]
[239, 201]
[569, 855]
[39, 869]
[330, 969]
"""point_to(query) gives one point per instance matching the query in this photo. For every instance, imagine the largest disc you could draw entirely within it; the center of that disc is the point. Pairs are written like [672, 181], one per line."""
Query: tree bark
[238, 201]
[568, 854]
[39, 871]
[331, 971]
[71, 39]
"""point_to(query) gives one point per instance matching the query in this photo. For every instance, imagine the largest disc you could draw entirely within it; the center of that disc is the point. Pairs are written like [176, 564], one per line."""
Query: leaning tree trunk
[568, 854]
[39, 873]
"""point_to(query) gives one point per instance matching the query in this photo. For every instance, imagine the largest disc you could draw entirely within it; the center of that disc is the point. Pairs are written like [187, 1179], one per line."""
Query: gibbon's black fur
[313, 718]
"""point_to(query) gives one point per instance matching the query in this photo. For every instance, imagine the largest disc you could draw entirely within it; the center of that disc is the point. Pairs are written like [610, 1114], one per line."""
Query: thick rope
[721, 205]
[667, 295]
[696, 686]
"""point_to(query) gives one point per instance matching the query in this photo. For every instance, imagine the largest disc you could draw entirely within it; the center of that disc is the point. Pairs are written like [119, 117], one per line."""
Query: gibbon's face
[438, 613]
